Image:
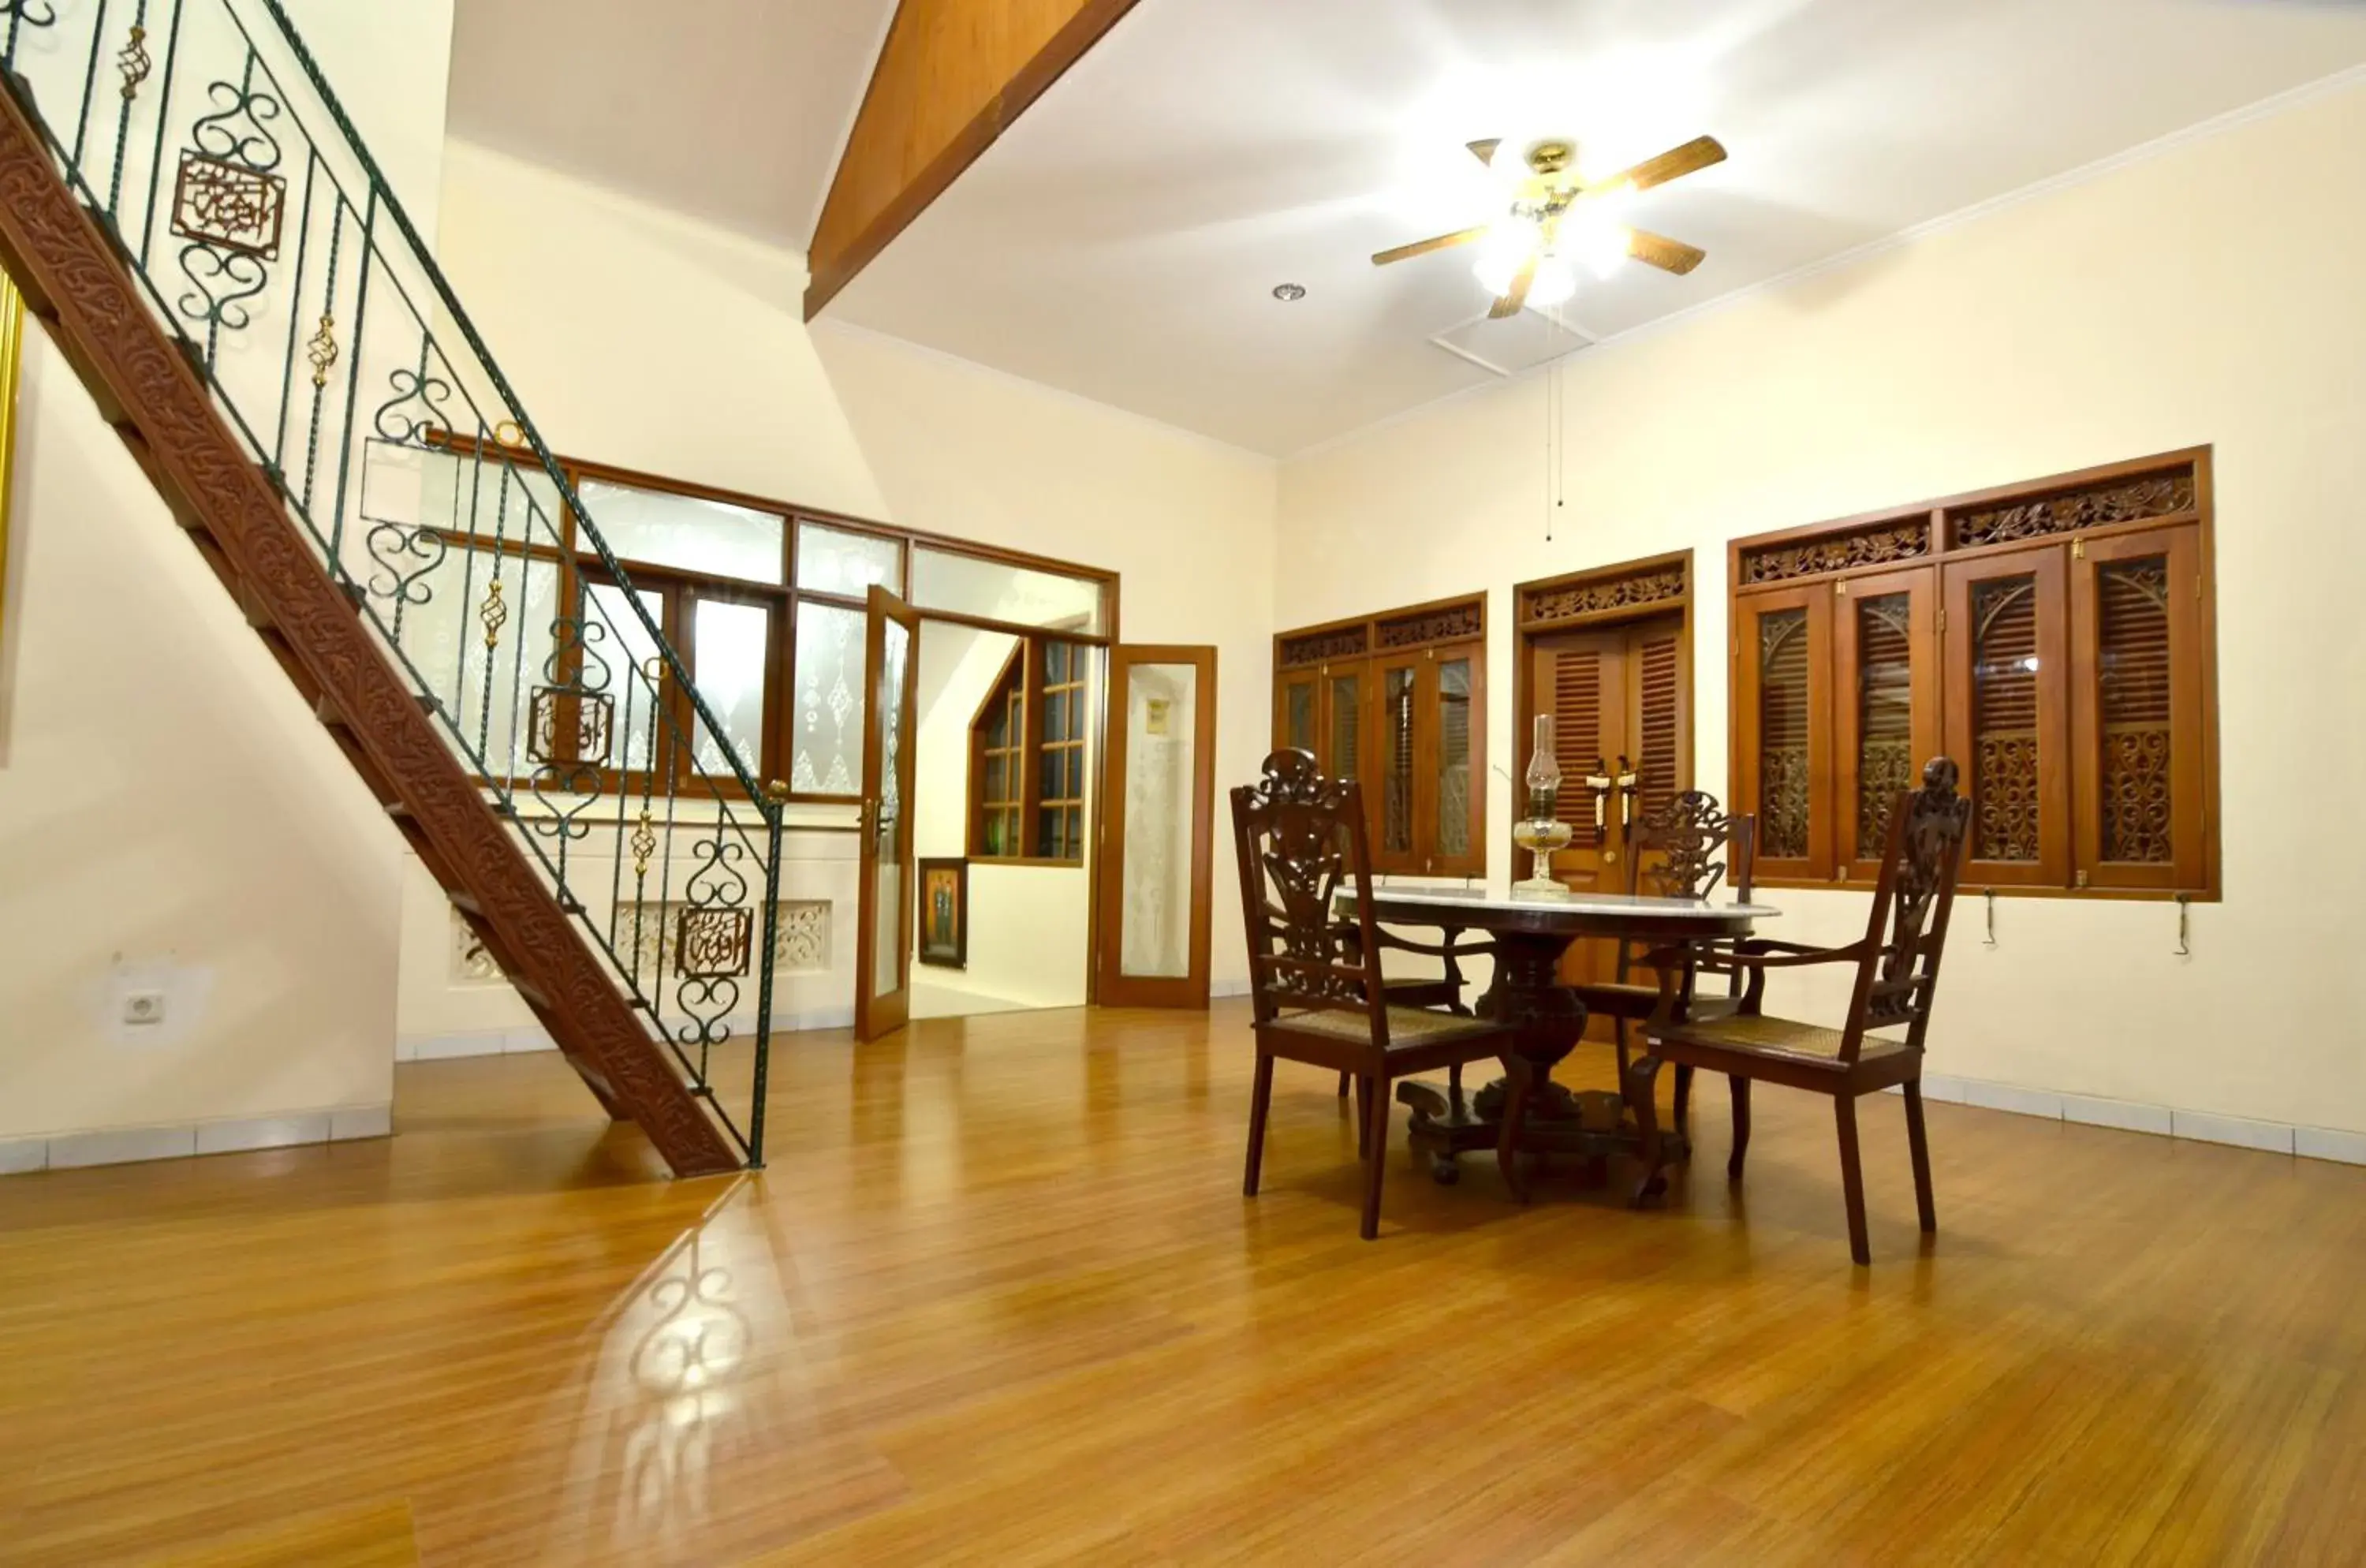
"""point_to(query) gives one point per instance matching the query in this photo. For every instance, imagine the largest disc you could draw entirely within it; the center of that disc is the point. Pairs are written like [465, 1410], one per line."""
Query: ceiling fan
[1557, 218]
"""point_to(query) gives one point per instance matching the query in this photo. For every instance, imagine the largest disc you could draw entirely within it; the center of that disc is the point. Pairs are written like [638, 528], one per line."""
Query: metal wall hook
[2184, 927]
[1989, 939]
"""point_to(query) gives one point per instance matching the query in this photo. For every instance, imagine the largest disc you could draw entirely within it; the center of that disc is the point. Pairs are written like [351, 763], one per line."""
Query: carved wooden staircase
[70, 253]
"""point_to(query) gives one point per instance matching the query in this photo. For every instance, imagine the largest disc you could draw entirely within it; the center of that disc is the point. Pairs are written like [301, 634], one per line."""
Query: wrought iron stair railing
[260, 234]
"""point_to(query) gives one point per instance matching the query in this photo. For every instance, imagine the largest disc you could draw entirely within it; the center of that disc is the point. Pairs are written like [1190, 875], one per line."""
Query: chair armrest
[1751, 956]
[1449, 948]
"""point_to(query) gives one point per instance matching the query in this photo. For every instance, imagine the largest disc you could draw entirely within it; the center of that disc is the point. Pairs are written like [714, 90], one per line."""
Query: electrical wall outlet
[143, 1009]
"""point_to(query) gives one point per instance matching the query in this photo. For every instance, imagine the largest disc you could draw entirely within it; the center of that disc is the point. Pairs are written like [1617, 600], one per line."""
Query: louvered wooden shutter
[1659, 708]
[1577, 729]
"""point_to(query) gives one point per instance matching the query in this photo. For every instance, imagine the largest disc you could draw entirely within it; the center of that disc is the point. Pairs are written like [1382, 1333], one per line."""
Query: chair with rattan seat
[1688, 848]
[1314, 967]
[1442, 991]
[1897, 963]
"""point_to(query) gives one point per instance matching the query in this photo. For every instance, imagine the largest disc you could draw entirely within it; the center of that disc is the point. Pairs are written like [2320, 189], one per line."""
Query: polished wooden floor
[998, 1300]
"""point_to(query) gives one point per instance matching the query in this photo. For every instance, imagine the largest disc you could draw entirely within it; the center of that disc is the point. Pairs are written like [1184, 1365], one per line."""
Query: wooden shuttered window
[1398, 702]
[2052, 638]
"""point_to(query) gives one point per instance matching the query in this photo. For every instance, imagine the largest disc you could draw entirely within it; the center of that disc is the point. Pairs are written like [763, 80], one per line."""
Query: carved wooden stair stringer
[76, 283]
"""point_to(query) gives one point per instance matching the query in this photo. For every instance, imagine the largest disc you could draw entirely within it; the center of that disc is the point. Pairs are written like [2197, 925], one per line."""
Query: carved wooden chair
[1689, 848]
[1896, 965]
[1314, 978]
[1441, 991]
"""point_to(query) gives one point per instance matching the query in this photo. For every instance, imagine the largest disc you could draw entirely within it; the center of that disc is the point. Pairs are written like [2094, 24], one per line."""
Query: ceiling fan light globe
[1554, 284]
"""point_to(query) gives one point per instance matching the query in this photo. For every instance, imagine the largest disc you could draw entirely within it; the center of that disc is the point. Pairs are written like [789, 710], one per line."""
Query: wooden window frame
[2069, 526]
[578, 565]
[1029, 662]
[1419, 637]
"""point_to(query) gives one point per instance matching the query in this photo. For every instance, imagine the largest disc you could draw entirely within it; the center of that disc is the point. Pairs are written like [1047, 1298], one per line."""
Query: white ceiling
[1120, 240]
[730, 110]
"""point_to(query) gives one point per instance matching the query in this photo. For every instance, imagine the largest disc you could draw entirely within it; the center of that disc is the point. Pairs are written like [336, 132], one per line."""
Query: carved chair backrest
[1302, 841]
[1907, 931]
[1688, 848]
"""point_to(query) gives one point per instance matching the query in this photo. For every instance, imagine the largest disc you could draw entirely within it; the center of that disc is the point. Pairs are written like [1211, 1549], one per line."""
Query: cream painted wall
[639, 337]
[172, 817]
[2134, 313]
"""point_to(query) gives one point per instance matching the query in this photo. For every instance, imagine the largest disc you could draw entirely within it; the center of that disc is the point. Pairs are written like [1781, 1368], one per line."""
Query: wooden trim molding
[1629, 590]
[950, 77]
[74, 283]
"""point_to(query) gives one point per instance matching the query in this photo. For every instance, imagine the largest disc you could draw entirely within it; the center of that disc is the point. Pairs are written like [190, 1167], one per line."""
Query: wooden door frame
[882, 607]
[1191, 989]
[1599, 598]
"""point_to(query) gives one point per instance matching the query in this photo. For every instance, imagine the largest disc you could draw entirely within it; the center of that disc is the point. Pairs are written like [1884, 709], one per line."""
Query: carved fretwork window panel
[1878, 544]
[2165, 495]
[2055, 640]
[1652, 586]
[1398, 701]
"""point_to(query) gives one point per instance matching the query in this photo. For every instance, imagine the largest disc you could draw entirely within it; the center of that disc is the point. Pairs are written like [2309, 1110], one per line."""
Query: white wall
[2136, 312]
[172, 817]
[639, 337]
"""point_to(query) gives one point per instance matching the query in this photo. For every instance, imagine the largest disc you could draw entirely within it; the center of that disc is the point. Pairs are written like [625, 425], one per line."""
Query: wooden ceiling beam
[950, 77]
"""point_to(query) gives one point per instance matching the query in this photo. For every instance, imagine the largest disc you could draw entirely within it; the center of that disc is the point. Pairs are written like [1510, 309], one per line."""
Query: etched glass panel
[485, 666]
[1161, 737]
[1783, 750]
[620, 660]
[731, 644]
[888, 946]
[1396, 772]
[2004, 718]
[1453, 757]
[972, 586]
[832, 560]
[2132, 676]
[1297, 716]
[1885, 716]
[826, 756]
[683, 531]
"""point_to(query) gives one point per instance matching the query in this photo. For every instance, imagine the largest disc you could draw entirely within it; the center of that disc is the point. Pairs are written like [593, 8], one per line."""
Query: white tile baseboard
[2162, 1120]
[69, 1151]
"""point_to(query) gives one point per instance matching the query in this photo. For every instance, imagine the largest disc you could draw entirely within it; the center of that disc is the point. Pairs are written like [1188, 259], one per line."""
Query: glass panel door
[1456, 774]
[884, 888]
[1389, 798]
[1782, 711]
[1155, 890]
[2137, 710]
[1296, 711]
[1887, 710]
[2007, 724]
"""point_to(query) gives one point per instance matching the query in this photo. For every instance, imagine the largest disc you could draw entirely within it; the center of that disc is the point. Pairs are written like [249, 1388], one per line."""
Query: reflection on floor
[932, 998]
[998, 1300]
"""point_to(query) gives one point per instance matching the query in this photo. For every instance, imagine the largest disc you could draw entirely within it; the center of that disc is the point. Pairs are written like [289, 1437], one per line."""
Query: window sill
[1968, 890]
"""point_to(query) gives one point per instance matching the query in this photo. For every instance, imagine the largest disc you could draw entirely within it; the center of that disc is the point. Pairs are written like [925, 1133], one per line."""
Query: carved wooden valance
[2134, 498]
[1874, 543]
[1444, 623]
[1300, 650]
[1645, 586]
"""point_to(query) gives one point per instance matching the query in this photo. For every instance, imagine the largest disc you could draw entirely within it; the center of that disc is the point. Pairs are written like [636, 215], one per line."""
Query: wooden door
[1619, 693]
[1783, 726]
[1885, 641]
[2137, 710]
[1159, 786]
[885, 922]
[2007, 720]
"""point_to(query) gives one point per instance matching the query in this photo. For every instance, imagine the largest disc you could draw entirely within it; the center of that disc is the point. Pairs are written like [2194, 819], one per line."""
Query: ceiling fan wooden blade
[1423, 247]
[1674, 163]
[1484, 150]
[1668, 255]
[1517, 295]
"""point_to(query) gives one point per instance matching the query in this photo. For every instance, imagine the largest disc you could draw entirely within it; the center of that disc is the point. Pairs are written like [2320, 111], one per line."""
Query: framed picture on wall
[944, 913]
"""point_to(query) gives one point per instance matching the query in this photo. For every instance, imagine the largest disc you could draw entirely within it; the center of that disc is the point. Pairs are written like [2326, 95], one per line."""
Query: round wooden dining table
[1531, 931]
